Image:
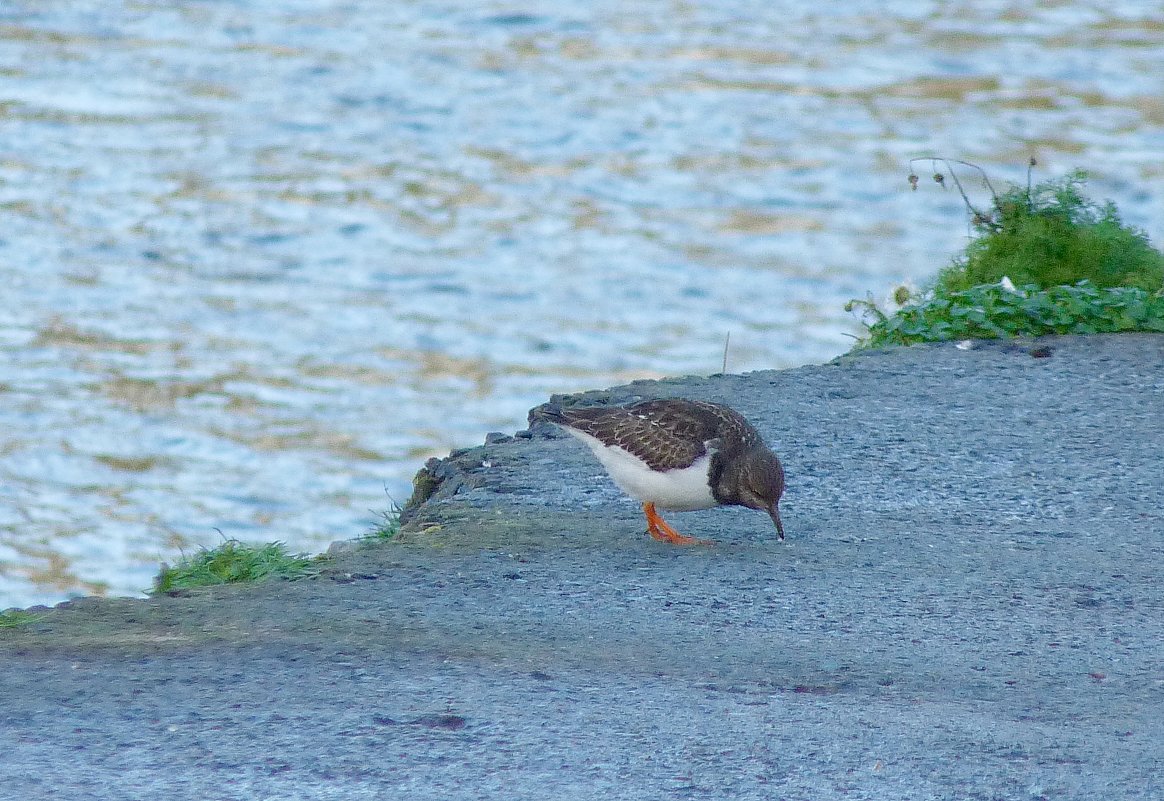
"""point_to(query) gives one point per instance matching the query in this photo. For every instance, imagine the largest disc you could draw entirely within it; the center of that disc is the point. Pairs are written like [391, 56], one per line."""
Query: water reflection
[258, 261]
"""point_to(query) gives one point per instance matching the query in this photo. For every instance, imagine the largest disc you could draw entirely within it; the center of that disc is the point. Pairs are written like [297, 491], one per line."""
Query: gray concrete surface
[968, 606]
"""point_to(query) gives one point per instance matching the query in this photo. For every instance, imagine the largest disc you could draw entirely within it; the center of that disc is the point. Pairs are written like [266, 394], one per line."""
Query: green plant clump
[992, 311]
[1052, 235]
[1045, 260]
[233, 562]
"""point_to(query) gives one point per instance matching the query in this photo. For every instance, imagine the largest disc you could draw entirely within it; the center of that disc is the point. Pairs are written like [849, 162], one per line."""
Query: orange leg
[658, 528]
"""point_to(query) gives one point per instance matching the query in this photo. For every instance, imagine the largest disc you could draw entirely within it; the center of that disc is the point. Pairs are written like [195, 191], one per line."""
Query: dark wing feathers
[666, 434]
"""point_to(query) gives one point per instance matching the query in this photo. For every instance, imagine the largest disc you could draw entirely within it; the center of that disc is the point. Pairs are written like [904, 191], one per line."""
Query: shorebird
[678, 455]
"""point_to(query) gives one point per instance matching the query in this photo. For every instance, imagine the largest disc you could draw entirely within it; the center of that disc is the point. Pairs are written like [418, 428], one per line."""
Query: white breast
[680, 490]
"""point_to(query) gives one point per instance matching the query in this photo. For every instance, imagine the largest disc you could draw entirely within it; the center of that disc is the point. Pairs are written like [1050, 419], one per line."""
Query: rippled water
[259, 259]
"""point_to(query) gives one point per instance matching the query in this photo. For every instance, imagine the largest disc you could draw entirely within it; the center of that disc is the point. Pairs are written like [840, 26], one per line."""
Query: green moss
[233, 562]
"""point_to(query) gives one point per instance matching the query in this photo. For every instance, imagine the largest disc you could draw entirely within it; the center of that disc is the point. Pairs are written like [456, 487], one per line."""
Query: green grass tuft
[17, 617]
[387, 528]
[233, 562]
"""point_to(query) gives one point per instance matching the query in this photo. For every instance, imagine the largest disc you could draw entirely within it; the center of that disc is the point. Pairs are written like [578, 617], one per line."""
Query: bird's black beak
[774, 512]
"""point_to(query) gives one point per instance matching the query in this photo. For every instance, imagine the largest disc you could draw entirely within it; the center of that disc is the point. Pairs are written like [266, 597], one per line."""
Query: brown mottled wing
[666, 434]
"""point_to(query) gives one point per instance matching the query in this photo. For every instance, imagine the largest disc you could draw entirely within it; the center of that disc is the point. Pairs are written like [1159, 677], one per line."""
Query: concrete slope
[968, 606]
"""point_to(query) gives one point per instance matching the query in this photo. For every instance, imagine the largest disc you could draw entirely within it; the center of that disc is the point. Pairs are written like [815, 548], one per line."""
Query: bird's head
[758, 483]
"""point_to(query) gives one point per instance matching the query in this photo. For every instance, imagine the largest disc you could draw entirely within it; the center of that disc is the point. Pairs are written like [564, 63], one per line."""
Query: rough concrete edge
[442, 478]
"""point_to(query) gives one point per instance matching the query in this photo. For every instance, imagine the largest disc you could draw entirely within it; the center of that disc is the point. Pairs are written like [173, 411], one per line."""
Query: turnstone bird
[678, 455]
